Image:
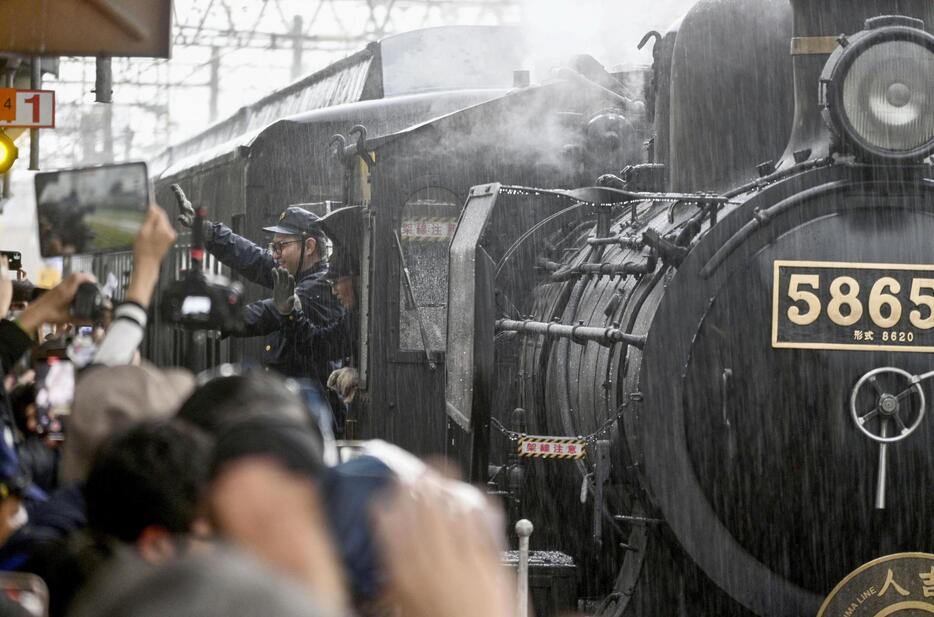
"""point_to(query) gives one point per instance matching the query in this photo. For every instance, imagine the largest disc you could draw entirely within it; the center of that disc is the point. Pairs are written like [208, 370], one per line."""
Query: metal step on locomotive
[744, 362]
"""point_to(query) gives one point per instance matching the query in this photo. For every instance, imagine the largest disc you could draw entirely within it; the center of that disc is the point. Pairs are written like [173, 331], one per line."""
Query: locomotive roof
[437, 104]
[337, 83]
[512, 97]
[404, 66]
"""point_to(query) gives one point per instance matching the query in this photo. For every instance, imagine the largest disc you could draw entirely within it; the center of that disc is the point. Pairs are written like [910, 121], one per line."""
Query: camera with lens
[25, 291]
[89, 303]
[204, 302]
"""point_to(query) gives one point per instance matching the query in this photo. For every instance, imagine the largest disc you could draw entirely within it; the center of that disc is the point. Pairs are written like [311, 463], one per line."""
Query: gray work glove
[283, 291]
[345, 381]
[186, 213]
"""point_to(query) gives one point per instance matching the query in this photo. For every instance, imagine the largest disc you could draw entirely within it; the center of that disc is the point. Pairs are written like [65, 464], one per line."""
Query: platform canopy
[86, 27]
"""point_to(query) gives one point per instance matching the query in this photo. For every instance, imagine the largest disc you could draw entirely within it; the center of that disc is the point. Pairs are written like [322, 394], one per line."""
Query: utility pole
[127, 143]
[103, 93]
[296, 47]
[214, 83]
[103, 80]
[108, 127]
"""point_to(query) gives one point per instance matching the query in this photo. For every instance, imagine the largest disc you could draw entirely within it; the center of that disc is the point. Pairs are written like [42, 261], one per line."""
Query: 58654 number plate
[837, 305]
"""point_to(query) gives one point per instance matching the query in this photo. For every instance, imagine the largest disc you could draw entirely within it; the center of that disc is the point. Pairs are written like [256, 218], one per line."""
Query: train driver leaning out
[294, 267]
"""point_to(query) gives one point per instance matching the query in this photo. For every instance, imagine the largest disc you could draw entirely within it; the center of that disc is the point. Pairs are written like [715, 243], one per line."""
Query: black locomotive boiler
[747, 360]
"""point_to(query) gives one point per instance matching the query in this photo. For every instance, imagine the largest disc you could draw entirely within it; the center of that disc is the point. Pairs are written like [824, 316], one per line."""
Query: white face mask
[19, 519]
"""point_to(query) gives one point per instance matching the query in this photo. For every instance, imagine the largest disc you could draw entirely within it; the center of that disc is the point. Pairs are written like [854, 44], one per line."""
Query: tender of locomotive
[747, 361]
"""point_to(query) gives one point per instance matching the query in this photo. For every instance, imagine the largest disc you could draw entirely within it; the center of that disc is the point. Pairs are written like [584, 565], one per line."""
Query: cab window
[427, 225]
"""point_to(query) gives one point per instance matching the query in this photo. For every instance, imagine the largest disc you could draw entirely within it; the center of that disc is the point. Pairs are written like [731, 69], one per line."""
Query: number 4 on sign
[7, 105]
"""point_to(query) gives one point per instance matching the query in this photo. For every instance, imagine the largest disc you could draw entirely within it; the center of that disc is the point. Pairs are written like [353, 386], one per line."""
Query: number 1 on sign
[34, 101]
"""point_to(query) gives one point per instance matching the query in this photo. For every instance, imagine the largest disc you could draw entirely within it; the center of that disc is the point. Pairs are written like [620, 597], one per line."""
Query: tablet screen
[91, 210]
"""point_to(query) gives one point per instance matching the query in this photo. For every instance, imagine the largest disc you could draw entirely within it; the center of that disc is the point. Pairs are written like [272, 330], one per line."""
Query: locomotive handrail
[579, 333]
[590, 195]
[606, 269]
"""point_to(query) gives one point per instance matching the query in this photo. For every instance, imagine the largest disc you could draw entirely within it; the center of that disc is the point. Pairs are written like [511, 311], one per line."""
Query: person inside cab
[344, 278]
[343, 228]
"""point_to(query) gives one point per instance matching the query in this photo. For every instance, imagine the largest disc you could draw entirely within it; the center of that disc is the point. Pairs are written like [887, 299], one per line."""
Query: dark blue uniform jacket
[307, 343]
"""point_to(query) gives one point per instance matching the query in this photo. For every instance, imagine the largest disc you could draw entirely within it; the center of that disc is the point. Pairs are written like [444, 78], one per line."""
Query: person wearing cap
[342, 227]
[343, 278]
[294, 268]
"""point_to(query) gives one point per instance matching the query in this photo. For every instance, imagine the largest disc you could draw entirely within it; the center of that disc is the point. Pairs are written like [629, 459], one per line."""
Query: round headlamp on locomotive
[877, 90]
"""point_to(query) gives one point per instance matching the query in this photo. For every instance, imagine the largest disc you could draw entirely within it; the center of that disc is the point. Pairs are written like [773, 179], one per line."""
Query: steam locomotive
[734, 329]
[745, 359]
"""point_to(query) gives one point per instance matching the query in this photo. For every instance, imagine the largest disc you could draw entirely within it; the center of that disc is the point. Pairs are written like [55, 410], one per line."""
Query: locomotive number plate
[837, 305]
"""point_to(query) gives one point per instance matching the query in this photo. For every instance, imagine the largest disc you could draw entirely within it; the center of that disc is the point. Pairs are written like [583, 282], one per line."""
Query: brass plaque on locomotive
[901, 584]
[839, 305]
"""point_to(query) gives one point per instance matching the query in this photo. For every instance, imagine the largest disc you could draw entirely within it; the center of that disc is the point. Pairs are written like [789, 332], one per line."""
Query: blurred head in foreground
[221, 584]
[108, 399]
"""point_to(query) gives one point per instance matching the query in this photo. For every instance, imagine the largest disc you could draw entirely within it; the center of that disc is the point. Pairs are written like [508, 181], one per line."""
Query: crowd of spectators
[163, 493]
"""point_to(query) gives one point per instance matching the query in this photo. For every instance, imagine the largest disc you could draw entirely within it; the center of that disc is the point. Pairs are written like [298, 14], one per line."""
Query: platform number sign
[33, 109]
